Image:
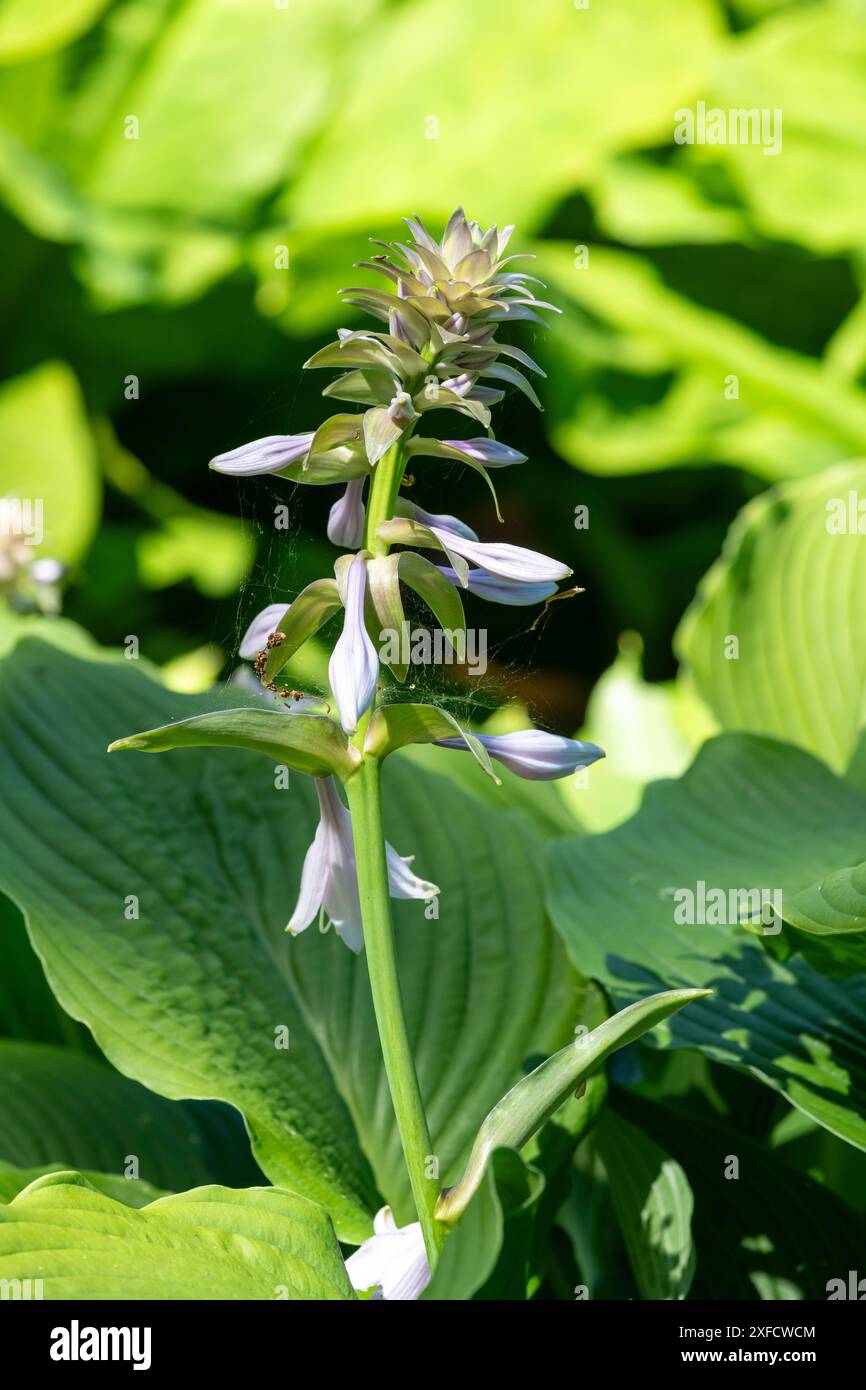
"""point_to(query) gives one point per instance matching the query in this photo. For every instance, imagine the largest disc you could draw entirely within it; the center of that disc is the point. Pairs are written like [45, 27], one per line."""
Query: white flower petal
[487, 451]
[394, 1262]
[515, 592]
[346, 517]
[533, 754]
[268, 455]
[402, 882]
[354, 666]
[263, 624]
[314, 879]
[507, 561]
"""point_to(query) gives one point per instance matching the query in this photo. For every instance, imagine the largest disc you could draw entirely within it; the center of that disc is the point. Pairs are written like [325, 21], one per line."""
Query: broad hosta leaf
[189, 996]
[835, 906]
[132, 1194]
[787, 590]
[535, 1098]
[652, 330]
[653, 1204]
[648, 730]
[219, 72]
[751, 814]
[210, 1243]
[655, 60]
[748, 1246]
[28, 1009]
[485, 986]
[810, 64]
[49, 459]
[29, 28]
[57, 1106]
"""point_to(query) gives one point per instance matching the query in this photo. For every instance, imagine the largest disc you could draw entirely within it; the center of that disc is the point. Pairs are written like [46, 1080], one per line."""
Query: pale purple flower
[354, 666]
[489, 452]
[499, 558]
[346, 517]
[268, 455]
[329, 880]
[263, 624]
[393, 1261]
[533, 754]
[441, 519]
[515, 592]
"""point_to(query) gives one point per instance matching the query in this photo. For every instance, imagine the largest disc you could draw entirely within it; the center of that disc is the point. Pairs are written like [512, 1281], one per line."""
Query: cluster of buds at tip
[436, 351]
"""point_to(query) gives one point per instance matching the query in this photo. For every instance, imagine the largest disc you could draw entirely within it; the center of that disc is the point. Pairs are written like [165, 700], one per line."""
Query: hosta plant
[434, 355]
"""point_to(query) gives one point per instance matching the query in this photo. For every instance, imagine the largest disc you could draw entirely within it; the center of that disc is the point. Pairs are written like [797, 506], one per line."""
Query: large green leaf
[220, 72]
[28, 1009]
[787, 589]
[187, 999]
[57, 1106]
[424, 159]
[210, 1243]
[835, 906]
[809, 64]
[190, 998]
[790, 415]
[750, 814]
[49, 458]
[749, 1244]
[485, 986]
[653, 1204]
[132, 1194]
[29, 28]
[648, 731]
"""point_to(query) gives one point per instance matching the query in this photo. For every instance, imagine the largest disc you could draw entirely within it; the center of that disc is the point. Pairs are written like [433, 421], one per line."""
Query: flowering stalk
[436, 351]
[365, 802]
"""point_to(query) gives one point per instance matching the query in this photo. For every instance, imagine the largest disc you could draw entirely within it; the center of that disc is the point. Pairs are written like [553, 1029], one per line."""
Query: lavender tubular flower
[329, 880]
[354, 665]
[260, 629]
[515, 592]
[490, 452]
[533, 754]
[346, 517]
[503, 560]
[268, 455]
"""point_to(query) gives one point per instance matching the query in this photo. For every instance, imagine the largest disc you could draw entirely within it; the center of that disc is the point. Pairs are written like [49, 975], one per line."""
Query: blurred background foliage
[186, 183]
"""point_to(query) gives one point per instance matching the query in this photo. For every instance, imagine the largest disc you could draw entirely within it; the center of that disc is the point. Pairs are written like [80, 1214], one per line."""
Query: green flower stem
[384, 489]
[365, 803]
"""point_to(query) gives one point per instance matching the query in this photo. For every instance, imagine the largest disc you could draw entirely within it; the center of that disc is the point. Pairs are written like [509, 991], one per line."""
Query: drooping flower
[346, 517]
[354, 666]
[490, 452]
[271, 454]
[260, 629]
[533, 754]
[393, 1262]
[329, 879]
[501, 559]
[516, 592]
[441, 519]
